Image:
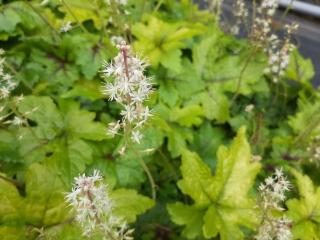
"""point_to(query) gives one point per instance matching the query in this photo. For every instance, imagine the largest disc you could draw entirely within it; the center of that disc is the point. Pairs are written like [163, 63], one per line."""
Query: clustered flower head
[262, 22]
[7, 84]
[93, 207]
[272, 193]
[8, 103]
[278, 50]
[279, 53]
[127, 85]
[240, 14]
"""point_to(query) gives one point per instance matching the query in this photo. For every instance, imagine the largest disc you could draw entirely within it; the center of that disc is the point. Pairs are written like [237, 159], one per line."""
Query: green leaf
[206, 142]
[10, 203]
[305, 211]
[82, 10]
[9, 20]
[44, 203]
[87, 89]
[80, 123]
[187, 116]
[168, 93]
[12, 233]
[224, 196]
[299, 68]
[197, 179]
[214, 103]
[189, 216]
[160, 41]
[128, 204]
[188, 82]
[307, 117]
[44, 112]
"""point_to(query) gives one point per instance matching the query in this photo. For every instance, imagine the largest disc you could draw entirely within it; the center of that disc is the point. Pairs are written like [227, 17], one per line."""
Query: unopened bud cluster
[93, 207]
[272, 193]
[127, 85]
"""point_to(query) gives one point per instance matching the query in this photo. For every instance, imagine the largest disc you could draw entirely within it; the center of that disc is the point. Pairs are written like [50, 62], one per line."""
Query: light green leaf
[44, 112]
[44, 202]
[189, 216]
[214, 103]
[10, 203]
[158, 40]
[9, 20]
[307, 116]
[87, 89]
[224, 195]
[305, 211]
[12, 233]
[172, 61]
[128, 204]
[187, 116]
[80, 123]
[197, 179]
[300, 69]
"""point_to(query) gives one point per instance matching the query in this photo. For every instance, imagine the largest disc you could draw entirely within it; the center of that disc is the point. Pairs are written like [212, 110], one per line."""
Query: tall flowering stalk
[90, 200]
[262, 35]
[127, 85]
[261, 29]
[240, 13]
[272, 195]
[279, 53]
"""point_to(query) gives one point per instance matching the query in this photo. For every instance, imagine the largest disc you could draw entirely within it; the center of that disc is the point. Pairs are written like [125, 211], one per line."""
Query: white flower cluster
[262, 22]
[7, 84]
[93, 206]
[240, 13]
[66, 27]
[8, 103]
[279, 53]
[272, 193]
[128, 86]
[275, 229]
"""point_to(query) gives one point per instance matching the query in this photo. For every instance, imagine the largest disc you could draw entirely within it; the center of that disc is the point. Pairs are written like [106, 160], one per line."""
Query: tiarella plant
[228, 110]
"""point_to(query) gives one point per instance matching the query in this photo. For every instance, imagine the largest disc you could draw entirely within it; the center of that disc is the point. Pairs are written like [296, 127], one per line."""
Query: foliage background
[202, 155]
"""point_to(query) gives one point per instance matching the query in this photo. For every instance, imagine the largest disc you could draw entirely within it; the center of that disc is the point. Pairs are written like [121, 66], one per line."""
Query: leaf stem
[17, 183]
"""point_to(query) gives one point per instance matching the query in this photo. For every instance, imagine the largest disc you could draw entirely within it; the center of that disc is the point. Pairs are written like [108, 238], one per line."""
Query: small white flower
[136, 136]
[4, 92]
[113, 128]
[66, 27]
[249, 108]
